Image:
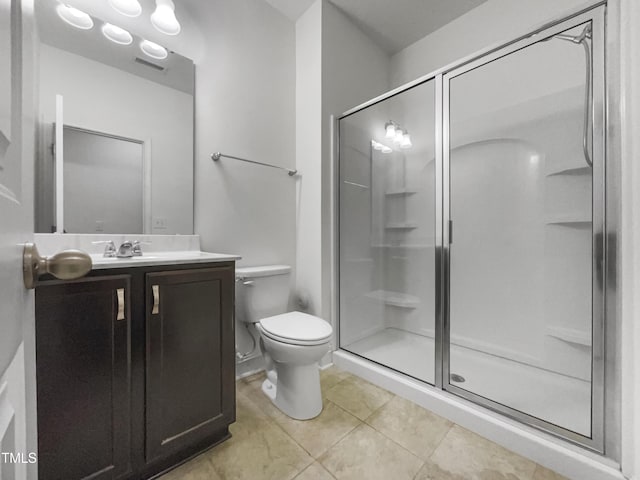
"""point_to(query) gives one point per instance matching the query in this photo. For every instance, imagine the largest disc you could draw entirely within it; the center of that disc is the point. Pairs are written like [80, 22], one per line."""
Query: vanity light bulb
[164, 18]
[398, 136]
[74, 17]
[390, 130]
[128, 8]
[153, 50]
[406, 140]
[116, 34]
[386, 149]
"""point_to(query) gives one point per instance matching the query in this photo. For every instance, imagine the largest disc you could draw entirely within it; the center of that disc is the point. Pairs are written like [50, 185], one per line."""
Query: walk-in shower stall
[471, 220]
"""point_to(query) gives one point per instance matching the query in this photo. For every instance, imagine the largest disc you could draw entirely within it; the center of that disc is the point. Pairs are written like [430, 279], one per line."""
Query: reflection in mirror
[93, 164]
[127, 149]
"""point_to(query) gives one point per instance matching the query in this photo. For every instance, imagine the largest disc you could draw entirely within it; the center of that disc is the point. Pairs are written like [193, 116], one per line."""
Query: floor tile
[317, 435]
[431, 471]
[542, 473]
[258, 449]
[472, 457]
[367, 454]
[329, 377]
[315, 471]
[358, 397]
[251, 388]
[248, 385]
[200, 468]
[416, 429]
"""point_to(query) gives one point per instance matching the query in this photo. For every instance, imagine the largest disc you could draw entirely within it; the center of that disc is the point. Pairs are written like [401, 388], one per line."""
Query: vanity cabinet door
[83, 331]
[190, 365]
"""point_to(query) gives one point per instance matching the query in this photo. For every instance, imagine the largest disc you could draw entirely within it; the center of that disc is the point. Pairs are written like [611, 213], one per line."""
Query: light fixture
[390, 130]
[386, 149]
[153, 50]
[74, 17]
[128, 8]
[164, 18]
[398, 136]
[116, 34]
[406, 140]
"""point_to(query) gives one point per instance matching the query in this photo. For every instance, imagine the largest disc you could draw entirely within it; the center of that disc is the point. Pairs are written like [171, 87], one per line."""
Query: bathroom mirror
[115, 129]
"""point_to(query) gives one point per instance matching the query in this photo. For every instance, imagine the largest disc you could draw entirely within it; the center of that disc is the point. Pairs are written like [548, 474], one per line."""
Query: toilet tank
[261, 292]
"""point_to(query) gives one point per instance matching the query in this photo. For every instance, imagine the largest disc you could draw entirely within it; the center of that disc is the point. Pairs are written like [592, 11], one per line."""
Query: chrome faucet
[136, 251]
[109, 248]
[131, 249]
[125, 250]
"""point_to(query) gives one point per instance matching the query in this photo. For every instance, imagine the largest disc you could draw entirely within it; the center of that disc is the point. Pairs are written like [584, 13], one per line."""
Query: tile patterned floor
[363, 433]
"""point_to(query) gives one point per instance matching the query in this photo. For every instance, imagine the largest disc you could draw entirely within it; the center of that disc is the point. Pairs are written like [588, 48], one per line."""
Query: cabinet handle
[120, 294]
[156, 299]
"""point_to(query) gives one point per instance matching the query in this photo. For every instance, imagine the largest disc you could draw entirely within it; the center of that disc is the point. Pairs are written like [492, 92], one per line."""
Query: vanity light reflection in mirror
[118, 92]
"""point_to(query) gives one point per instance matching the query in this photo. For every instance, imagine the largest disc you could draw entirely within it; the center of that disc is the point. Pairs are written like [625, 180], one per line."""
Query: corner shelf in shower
[415, 246]
[570, 335]
[394, 299]
[401, 226]
[570, 220]
[400, 192]
[583, 170]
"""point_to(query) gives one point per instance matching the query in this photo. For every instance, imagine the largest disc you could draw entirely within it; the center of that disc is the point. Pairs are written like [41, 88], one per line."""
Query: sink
[160, 258]
[98, 257]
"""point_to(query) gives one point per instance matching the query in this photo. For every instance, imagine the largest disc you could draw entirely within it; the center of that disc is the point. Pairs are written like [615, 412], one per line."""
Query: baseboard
[249, 366]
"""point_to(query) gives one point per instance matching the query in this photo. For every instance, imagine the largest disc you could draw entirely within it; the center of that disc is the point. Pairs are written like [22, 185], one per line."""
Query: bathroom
[468, 318]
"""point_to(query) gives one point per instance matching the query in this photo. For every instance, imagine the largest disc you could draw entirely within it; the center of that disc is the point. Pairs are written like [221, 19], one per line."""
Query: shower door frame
[604, 294]
[596, 440]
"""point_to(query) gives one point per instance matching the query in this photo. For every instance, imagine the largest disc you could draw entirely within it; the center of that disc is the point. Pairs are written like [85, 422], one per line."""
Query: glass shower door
[387, 222]
[522, 283]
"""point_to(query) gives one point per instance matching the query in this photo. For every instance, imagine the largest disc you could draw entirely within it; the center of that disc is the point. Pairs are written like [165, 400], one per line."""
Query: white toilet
[291, 343]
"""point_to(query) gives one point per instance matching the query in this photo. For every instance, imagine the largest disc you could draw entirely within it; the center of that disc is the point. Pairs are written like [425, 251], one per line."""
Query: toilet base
[297, 391]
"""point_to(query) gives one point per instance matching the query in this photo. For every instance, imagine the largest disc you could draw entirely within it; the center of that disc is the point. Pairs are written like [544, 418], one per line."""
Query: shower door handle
[450, 232]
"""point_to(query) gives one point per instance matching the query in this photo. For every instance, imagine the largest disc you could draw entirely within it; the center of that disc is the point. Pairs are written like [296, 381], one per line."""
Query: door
[190, 368]
[83, 338]
[525, 165]
[388, 232]
[17, 360]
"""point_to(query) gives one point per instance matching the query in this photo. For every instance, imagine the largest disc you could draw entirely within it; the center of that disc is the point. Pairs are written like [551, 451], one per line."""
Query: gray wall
[245, 87]
[245, 106]
[352, 69]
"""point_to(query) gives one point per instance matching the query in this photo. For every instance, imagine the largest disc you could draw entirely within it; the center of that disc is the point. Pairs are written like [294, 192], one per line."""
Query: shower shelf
[394, 299]
[570, 335]
[415, 246]
[571, 171]
[400, 192]
[576, 219]
[401, 226]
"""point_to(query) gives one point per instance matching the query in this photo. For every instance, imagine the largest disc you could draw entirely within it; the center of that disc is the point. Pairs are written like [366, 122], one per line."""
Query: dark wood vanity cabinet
[83, 348]
[189, 343]
[135, 369]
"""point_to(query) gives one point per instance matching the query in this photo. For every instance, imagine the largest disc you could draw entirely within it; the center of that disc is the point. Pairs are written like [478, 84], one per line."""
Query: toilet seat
[296, 328]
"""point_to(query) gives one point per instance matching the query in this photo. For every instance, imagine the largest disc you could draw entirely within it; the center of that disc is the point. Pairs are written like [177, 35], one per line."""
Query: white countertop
[161, 258]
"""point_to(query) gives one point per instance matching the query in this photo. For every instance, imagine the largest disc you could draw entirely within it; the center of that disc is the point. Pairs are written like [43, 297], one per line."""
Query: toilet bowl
[291, 343]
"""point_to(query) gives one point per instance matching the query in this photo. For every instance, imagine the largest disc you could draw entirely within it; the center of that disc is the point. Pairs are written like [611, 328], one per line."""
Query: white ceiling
[292, 9]
[392, 24]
